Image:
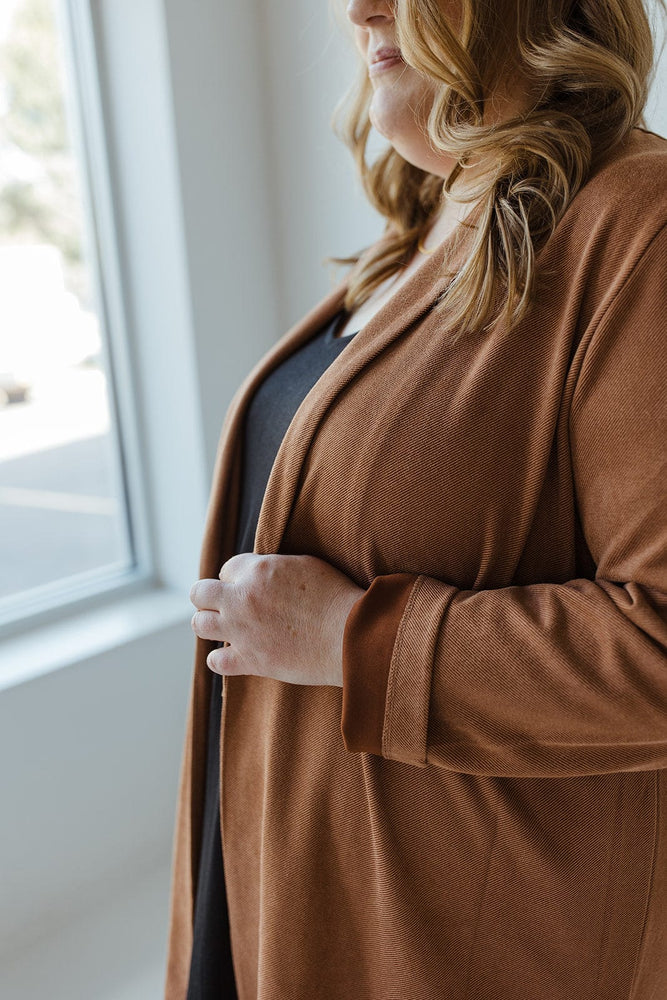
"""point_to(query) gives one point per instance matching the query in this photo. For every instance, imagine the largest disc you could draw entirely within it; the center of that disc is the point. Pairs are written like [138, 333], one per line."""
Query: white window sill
[85, 636]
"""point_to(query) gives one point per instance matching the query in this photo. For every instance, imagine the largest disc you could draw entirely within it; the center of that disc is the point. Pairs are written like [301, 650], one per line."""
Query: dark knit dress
[268, 417]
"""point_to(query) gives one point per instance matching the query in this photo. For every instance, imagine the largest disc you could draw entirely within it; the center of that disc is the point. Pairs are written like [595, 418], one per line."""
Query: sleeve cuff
[368, 645]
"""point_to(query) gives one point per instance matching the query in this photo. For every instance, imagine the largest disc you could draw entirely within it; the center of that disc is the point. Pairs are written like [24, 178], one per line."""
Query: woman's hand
[283, 617]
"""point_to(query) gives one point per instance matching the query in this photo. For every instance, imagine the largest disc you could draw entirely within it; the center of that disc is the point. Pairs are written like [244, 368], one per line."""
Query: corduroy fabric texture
[480, 813]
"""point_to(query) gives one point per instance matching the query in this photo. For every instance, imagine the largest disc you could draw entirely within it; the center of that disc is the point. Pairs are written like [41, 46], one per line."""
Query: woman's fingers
[207, 621]
[206, 595]
[220, 610]
[224, 661]
[207, 625]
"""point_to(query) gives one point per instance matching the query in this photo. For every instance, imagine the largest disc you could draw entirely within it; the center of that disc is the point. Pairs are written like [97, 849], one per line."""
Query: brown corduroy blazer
[481, 812]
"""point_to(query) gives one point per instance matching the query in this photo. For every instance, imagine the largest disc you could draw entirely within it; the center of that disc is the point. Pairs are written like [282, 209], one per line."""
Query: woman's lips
[384, 59]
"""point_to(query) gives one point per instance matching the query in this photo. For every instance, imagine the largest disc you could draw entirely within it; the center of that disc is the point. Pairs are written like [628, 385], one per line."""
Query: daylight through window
[62, 506]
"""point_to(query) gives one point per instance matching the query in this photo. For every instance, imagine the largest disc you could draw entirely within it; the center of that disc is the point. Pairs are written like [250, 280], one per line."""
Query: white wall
[214, 52]
[320, 208]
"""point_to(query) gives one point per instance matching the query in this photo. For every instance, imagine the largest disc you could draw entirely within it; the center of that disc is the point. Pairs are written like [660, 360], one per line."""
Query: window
[66, 529]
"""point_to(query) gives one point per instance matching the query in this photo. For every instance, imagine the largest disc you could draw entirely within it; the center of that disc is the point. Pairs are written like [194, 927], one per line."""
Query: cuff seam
[394, 669]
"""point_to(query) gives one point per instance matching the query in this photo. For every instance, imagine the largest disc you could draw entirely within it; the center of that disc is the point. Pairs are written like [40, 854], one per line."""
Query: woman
[442, 638]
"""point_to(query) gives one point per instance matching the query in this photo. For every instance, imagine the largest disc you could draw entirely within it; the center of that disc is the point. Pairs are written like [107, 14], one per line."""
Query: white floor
[116, 952]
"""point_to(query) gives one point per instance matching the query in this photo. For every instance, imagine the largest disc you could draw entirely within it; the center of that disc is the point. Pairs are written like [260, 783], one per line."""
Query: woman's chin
[399, 112]
[388, 119]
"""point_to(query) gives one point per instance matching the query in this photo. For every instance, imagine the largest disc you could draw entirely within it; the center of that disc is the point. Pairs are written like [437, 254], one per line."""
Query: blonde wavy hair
[591, 62]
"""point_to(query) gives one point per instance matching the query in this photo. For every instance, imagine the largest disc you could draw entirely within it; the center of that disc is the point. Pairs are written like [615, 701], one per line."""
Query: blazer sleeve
[548, 679]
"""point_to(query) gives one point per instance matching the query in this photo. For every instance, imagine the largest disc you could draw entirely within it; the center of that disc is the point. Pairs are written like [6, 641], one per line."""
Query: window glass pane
[62, 507]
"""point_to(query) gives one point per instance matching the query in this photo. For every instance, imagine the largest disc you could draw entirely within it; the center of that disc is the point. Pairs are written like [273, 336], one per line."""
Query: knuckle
[232, 566]
[264, 568]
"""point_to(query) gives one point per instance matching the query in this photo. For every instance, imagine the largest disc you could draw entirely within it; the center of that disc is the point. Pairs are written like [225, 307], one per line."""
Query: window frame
[83, 100]
[162, 451]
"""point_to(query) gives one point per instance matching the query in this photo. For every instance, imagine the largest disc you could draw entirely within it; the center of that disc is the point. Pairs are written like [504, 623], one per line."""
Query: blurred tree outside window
[62, 501]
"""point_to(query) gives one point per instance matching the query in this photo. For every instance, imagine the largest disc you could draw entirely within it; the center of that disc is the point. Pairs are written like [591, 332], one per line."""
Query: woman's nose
[367, 12]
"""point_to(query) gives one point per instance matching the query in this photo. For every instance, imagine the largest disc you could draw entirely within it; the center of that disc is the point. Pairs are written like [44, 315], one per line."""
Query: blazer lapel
[405, 308]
